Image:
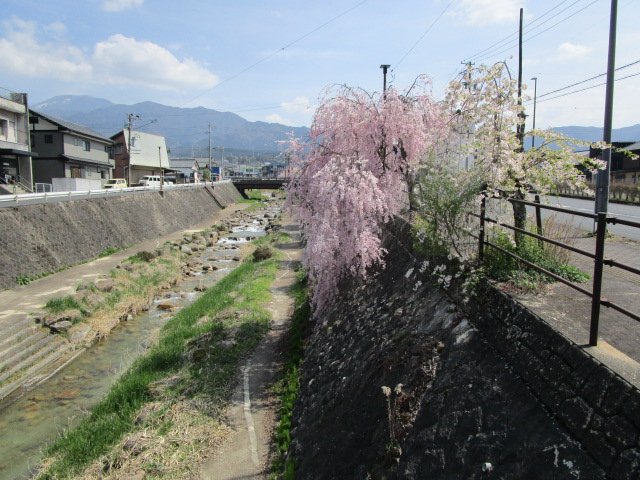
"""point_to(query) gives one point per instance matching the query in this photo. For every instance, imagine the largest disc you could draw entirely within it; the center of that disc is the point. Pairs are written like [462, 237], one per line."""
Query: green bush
[502, 267]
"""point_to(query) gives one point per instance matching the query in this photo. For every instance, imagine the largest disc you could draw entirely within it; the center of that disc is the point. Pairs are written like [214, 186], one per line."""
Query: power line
[539, 33]
[515, 34]
[397, 64]
[589, 88]
[281, 49]
[587, 80]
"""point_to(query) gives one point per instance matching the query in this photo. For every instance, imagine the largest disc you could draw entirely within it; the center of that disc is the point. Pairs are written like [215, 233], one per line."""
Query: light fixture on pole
[384, 78]
[535, 98]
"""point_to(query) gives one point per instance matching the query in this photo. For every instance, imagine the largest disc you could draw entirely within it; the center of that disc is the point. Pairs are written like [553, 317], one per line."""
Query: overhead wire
[424, 34]
[499, 43]
[276, 52]
[588, 88]
[493, 54]
[586, 80]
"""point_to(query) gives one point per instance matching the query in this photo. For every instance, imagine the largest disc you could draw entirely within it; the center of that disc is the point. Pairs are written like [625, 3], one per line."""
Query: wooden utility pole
[130, 118]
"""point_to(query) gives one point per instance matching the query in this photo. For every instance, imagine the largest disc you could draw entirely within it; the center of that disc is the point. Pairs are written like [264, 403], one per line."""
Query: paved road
[626, 212]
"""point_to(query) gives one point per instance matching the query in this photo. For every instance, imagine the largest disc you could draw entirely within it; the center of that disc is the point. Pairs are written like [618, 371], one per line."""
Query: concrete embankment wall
[487, 392]
[35, 239]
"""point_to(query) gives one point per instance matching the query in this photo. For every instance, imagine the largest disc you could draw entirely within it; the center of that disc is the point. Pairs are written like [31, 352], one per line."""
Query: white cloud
[297, 105]
[487, 12]
[119, 60]
[125, 60]
[275, 118]
[119, 5]
[22, 53]
[571, 51]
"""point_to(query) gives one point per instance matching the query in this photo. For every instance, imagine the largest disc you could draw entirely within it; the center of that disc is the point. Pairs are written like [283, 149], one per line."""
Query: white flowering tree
[484, 109]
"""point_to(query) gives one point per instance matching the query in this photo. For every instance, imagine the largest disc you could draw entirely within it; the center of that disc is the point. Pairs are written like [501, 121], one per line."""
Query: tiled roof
[81, 129]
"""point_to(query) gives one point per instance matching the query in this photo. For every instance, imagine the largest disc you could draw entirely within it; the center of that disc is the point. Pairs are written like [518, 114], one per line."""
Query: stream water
[37, 418]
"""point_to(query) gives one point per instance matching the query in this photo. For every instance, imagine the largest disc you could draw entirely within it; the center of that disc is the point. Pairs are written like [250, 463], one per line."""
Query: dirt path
[251, 415]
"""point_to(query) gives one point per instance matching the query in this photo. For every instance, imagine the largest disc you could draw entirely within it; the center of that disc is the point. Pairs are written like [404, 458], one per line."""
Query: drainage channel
[37, 418]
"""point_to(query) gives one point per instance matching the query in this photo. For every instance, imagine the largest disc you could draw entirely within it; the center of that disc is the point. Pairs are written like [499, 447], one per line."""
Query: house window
[4, 128]
[133, 142]
[87, 146]
[118, 149]
[75, 172]
[32, 138]
[48, 138]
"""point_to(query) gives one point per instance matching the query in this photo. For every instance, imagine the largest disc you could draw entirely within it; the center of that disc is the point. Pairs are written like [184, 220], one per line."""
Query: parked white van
[153, 181]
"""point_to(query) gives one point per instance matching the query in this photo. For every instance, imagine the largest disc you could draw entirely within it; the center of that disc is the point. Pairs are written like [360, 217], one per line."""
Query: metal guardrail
[601, 219]
[52, 197]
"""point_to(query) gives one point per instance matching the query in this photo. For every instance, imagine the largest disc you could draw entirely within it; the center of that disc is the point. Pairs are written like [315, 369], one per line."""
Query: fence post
[483, 207]
[539, 221]
[601, 233]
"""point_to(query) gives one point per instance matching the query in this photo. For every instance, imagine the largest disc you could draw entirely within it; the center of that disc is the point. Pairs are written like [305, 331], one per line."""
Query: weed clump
[263, 252]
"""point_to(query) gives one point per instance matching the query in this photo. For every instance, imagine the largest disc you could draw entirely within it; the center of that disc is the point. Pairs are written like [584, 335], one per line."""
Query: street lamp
[384, 68]
[535, 98]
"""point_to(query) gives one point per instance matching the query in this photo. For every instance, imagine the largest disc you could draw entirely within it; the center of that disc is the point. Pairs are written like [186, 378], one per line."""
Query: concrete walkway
[23, 300]
[246, 454]
[569, 311]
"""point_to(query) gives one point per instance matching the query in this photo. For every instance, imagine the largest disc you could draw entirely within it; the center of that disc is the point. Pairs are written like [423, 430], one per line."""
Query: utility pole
[221, 163]
[130, 118]
[384, 79]
[603, 176]
[520, 129]
[535, 99]
[468, 86]
[161, 171]
[209, 146]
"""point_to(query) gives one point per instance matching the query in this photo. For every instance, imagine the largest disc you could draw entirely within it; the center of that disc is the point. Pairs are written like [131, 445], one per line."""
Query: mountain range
[186, 129]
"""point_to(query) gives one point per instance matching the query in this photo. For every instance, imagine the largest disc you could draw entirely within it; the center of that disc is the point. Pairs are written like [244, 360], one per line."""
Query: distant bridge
[257, 183]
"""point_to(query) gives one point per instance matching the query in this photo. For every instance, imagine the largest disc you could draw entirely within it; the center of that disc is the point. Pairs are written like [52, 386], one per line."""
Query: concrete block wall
[35, 239]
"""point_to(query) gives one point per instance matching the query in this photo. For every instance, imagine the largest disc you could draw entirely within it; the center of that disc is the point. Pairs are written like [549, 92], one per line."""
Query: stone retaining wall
[36, 239]
[597, 406]
[486, 392]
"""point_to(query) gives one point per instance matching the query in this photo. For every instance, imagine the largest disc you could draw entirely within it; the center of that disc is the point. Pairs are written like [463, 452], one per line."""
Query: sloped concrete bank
[487, 393]
[37, 239]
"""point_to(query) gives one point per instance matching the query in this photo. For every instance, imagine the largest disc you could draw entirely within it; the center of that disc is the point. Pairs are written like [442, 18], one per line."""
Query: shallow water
[38, 417]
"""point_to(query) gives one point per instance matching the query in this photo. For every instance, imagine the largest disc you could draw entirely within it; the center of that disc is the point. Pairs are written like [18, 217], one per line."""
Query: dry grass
[134, 290]
[562, 232]
[169, 444]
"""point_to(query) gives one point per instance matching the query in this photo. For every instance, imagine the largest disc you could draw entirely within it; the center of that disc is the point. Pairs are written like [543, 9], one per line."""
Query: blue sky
[271, 59]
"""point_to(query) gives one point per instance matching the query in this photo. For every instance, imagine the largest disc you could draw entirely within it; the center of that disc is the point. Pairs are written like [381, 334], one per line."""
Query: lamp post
[535, 98]
[384, 78]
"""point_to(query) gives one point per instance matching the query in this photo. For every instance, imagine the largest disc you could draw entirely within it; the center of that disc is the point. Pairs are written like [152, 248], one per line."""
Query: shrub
[263, 252]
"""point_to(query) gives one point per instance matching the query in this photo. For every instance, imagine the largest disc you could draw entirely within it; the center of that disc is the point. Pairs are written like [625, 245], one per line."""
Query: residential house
[70, 156]
[16, 173]
[184, 168]
[139, 153]
[624, 168]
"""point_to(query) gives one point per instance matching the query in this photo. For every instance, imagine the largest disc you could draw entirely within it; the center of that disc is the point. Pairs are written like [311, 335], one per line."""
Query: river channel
[38, 417]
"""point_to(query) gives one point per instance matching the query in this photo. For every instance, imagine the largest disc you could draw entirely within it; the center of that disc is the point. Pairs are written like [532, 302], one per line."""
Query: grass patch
[243, 291]
[503, 268]
[108, 252]
[287, 388]
[58, 305]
